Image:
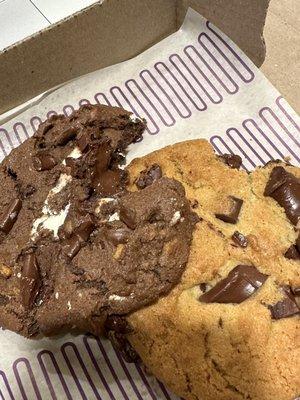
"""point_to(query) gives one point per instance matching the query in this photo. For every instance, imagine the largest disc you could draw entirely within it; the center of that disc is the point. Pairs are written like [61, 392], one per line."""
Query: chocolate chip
[43, 162]
[148, 176]
[284, 187]
[117, 323]
[117, 236]
[296, 291]
[238, 286]
[128, 217]
[30, 280]
[122, 345]
[203, 287]
[8, 219]
[233, 215]
[12, 173]
[292, 253]
[232, 160]
[80, 236]
[285, 308]
[66, 136]
[239, 239]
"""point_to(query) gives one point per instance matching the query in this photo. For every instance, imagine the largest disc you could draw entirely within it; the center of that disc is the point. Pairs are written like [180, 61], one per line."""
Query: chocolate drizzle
[284, 187]
[238, 286]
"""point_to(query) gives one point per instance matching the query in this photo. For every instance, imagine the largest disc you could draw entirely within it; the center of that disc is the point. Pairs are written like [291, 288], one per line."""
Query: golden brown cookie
[230, 329]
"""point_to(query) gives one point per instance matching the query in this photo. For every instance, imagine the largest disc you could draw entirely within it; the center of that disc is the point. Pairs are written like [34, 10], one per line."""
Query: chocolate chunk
[296, 291]
[12, 173]
[238, 286]
[233, 215]
[117, 323]
[117, 236]
[30, 280]
[80, 236]
[292, 253]
[10, 216]
[111, 182]
[148, 176]
[232, 160]
[106, 181]
[65, 136]
[239, 239]
[285, 308]
[43, 162]
[83, 142]
[128, 217]
[121, 345]
[284, 187]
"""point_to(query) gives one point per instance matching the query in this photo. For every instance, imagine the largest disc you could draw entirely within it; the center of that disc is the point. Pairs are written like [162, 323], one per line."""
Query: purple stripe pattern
[81, 370]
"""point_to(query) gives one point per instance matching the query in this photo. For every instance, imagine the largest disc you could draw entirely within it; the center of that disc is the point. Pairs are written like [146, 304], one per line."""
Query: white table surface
[22, 18]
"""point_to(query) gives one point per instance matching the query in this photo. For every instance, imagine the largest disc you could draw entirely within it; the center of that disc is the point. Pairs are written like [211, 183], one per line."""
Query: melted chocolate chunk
[65, 136]
[8, 219]
[121, 345]
[239, 285]
[128, 216]
[107, 181]
[77, 240]
[118, 324]
[284, 187]
[239, 239]
[285, 308]
[117, 235]
[30, 280]
[148, 176]
[292, 253]
[233, 216]
[43, 162]
[232, 160]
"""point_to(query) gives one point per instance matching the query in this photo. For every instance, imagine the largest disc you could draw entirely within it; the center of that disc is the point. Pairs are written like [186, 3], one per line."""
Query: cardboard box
[112, 31]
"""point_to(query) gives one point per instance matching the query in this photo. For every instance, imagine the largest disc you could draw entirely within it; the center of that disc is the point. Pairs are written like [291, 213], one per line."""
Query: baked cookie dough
[230, 329]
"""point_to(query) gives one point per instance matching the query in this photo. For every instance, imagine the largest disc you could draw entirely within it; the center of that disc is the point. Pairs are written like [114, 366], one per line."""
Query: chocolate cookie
[76, 246]
[230, 329]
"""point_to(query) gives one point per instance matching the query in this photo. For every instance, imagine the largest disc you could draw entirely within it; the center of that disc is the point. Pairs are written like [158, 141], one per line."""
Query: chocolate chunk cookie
[76, 247]
[230, 329]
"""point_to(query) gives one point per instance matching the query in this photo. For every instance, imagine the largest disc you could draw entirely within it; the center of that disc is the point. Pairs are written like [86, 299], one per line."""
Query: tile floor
[22, 18]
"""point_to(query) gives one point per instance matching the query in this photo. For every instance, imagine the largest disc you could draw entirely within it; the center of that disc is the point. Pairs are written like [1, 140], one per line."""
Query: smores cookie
[75, 245]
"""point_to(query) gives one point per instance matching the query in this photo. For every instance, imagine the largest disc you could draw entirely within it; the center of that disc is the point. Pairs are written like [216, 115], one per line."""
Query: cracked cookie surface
[230, 329]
